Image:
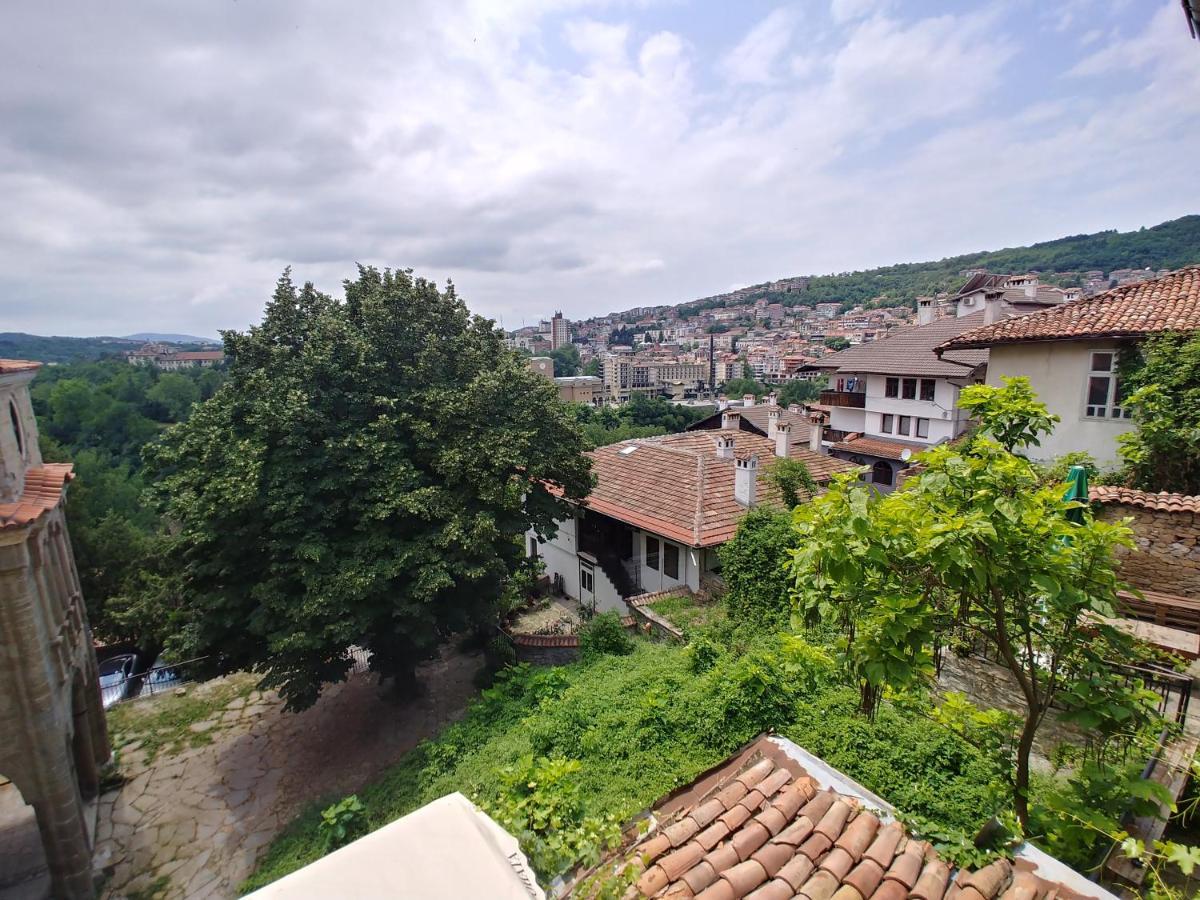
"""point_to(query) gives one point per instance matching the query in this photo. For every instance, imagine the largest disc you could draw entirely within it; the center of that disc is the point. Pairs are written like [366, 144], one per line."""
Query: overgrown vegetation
[642, 416]
[688, 614]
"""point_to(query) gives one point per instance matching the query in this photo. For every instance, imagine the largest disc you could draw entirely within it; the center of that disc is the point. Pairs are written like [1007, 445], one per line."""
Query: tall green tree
[1163, 383]
[566, 360]
[977, 544]
[363, 478]
[176, 394]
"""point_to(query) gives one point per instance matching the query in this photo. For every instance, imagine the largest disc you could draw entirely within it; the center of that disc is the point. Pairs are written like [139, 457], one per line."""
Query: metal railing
[853, 399]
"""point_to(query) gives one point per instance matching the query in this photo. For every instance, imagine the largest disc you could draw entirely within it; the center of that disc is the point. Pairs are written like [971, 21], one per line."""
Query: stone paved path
[193, 824]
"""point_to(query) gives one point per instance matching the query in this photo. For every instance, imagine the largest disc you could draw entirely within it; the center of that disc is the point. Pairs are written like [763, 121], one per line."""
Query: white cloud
[753, 60]
[847, 10]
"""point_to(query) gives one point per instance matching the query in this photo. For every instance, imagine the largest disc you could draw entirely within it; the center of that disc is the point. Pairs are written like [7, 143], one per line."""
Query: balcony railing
[852, 399]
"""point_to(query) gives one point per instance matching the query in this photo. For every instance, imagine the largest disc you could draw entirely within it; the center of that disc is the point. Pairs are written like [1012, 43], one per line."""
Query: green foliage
[358, 480]
[1058, 469]
[1011, 414]
[978, 542]
[837, 342]
[739, 387]
[593, 368]
[794, 481]
[540, 804]
[642, 416]
[797, 391]
[100, 416]
[603, 634]
[61, 350]
[688, 613]
[566, 360]
[343, 822]
[1163, 390]
[754, 567]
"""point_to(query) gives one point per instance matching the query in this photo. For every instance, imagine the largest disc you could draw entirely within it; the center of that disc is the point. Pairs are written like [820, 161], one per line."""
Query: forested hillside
[1166, 246]
[15, 345]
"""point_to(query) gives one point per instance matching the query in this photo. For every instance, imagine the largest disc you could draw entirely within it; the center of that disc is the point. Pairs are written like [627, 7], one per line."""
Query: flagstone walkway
[193, 823]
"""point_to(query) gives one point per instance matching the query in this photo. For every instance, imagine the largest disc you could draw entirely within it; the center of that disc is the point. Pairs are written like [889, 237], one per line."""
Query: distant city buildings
[164, 357]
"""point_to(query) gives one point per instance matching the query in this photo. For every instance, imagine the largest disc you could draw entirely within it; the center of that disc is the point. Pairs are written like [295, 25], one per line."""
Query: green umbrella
[1077, 489]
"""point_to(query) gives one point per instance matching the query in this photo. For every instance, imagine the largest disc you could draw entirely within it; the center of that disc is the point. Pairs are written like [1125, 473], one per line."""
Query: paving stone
[200, 727]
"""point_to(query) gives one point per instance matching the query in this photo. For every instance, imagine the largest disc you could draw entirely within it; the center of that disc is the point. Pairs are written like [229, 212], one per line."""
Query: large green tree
[1163, 381]
[977, 545]
[363, 478]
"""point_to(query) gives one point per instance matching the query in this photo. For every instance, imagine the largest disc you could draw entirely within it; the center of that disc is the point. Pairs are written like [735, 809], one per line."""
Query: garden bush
[603, 634]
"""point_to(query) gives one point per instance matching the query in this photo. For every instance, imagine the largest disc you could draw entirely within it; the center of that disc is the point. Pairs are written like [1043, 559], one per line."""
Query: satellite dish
[905, 454]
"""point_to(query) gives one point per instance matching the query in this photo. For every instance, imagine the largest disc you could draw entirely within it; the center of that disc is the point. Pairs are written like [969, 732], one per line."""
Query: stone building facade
[51, 715]
[1166, 534]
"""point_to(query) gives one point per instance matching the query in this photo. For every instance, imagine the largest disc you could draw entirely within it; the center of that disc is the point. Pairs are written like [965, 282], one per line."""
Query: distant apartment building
[828, 310]
[163, 357]
[560, 331]
[587, 389]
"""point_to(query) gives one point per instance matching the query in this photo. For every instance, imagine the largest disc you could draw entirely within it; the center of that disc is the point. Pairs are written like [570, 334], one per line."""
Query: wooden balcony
[852, 399]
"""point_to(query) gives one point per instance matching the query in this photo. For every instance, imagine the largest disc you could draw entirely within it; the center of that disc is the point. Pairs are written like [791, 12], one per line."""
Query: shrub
[754, 566]
[343, 822]
[604, 634]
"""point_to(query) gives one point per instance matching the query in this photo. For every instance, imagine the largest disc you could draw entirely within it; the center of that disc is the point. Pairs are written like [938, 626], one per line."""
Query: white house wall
[1058, 372]
[946, 420]
[653, 580]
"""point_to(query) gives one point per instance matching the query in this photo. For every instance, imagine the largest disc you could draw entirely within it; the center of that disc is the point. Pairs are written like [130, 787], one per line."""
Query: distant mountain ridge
[1169, 245]
[170, 338]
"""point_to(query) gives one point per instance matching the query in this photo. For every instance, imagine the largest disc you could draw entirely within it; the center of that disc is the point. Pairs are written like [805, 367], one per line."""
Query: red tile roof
[1170, 303]
[43, 491]
[880, 447]
[761, 827]
[8, 366]
[910, 351]
[677, 486]
[1162, 501]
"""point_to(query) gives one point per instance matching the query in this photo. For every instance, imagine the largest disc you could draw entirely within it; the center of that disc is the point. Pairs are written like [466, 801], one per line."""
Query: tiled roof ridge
[1163, 501]
[701, 484]
[43, 491]
[9, 366]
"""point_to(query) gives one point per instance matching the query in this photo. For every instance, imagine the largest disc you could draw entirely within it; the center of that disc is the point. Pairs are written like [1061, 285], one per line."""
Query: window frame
[887, 422]
[1110, 409]
[670, 551]
[652, 558]
[904, 425]
[932, 383]
[922, 427]
[891, 387]
[908, 389]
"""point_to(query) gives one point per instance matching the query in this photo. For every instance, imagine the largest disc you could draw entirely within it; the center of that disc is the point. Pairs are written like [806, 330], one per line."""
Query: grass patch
[163, 724]
[689, 614]
[642, 725]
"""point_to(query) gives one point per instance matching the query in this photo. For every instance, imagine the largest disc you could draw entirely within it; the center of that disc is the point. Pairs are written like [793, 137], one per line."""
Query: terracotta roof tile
[849, 855]
[881, 447]
[1162, 501]
[676, 485]
[43, 491]
[1170, 303]
[9, 366]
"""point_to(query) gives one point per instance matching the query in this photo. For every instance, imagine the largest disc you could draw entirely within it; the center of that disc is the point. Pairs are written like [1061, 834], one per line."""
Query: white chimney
[731, 418]
[745, 479]
[925, 310]
[816, 432]
[992, 311]
[1031, 286]
[747, 399]
[772, 422]
[722, 403]
[725, 446]
[772, 400]
[783, 439]
[794, 408]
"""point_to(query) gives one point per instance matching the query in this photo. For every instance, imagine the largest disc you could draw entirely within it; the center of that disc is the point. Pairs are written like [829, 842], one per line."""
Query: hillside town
[881, 584]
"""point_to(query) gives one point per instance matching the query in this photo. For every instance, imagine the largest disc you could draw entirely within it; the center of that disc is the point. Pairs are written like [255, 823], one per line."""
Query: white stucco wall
[559, 555]
[1058, 371]
[657, 580]
[946, 420]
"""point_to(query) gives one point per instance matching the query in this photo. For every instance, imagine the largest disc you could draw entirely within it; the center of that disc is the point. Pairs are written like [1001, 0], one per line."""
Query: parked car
[116, 678]
[162, 676]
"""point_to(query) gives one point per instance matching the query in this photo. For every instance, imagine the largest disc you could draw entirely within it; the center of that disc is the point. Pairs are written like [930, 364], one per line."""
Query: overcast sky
[161, 163]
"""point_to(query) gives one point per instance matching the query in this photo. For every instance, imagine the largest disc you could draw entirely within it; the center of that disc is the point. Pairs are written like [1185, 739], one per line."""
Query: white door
[587, 585]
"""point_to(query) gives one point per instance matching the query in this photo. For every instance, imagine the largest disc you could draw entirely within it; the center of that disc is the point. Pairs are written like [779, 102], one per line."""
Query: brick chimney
[747, 399]
[745, 479]
[772, 422]
[731, 418]
[783, 439]
[992, 311]
[725, 446]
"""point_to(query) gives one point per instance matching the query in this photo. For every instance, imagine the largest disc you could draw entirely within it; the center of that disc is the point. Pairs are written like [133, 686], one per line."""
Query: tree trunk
[1021, 785]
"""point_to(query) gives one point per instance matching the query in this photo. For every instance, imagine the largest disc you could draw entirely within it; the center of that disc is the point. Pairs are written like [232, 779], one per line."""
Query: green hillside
[1166, 246]
[15, 345]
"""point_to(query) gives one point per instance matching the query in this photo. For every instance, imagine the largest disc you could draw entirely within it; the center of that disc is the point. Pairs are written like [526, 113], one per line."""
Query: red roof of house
[676, 485]
[880, 447]
[1170, 303]
[8, 366]
[1162, 501]
[761, 827]
[43, 491]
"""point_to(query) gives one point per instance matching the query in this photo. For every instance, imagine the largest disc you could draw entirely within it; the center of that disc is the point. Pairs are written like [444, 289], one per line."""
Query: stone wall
[1166, 555]
[649, 622]
[546, 649]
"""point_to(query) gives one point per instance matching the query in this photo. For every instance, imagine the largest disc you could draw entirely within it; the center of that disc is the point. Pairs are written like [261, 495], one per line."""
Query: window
[652, 553]
[881, 473]
[923, 428]
[909, 391]
[587, 580]
[928, 389]
[670, 560]
[1104, 395]
[885, 423]
[16, 424]
[905, 426]
[891, 387]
